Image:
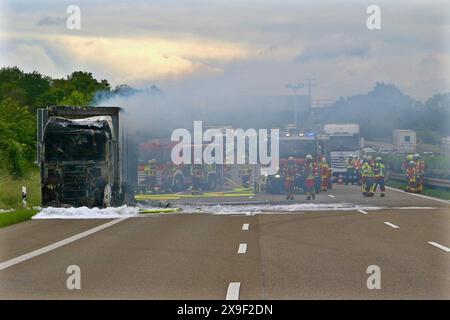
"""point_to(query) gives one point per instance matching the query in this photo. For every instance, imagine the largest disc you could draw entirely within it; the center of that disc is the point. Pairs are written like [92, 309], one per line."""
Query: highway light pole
[294, 87]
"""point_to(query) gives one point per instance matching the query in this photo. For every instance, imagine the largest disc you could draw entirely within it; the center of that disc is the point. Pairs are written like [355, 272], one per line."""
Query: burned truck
[82, 156]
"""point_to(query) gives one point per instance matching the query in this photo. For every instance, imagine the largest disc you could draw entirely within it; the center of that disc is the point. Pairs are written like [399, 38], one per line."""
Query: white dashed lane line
[362, 211]
[233, 291]
[440, 246]
[391, 225]
[242, 248]
[245, 226]
[331, 196]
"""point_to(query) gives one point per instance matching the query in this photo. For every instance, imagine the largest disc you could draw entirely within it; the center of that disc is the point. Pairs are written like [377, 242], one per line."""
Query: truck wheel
[212, 182]
[178, 183]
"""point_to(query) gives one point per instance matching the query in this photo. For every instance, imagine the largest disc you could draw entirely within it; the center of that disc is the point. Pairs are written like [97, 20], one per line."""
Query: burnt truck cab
[78, 151]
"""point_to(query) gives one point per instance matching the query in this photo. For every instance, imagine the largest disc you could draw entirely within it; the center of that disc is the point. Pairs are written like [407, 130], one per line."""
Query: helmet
[309, 157]
[409, 157]
[369, 158]
[152, 161]
[378, 159]
[412, 163]
[416, 156]
[291, 158]
[351, 156]
[355, 156]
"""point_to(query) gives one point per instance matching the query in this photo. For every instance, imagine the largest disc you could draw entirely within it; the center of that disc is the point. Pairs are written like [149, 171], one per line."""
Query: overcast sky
[245, 47]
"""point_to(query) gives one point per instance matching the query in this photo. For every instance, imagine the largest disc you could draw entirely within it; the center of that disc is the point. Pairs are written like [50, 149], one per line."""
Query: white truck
[344, 141]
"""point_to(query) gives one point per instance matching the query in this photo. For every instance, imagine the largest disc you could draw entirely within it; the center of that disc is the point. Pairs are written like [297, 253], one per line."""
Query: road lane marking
[391, 225]
[419, 195]
[331, 196]
[362, 211]
[245, 226]
[58, 244]
[242, 248]
[233, 291]
[440, 246]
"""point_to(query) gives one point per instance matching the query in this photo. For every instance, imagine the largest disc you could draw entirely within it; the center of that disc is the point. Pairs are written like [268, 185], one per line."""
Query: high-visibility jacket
[379, 169]
[366, 170]
[246, 170]
[411, 173]
[310, 170]
[291, 172]
[350, 164]
[197, 171]
[150, 170]
[356, 164]
[420, 166]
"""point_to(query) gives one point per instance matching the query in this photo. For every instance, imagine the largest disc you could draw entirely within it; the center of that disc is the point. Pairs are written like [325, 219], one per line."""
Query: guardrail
[432, 182]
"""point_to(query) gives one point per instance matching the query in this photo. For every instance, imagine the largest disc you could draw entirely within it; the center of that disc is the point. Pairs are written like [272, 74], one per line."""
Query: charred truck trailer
[84, 157]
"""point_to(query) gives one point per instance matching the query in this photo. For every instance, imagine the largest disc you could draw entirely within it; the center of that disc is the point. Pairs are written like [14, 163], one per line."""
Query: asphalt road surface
[318, 254]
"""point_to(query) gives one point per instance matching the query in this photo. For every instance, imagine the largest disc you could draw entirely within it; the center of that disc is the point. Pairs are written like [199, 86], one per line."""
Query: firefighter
[349, 177]
[357, 169]
[405, 163]
[411, 177]
[367, 176]
[310, 178]
[324, 171]
[317, 179]
[150, 175]
[420, 171]
[245, 173]
[290, 175]
[197, 174]
[379, 171]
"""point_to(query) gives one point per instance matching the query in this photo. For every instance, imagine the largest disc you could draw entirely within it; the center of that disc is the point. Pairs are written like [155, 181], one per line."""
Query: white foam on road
[270, 209]
[87, 213]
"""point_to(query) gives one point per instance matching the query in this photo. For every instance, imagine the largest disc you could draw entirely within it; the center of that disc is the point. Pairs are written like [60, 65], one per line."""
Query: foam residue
[87, 213]
[281, 208]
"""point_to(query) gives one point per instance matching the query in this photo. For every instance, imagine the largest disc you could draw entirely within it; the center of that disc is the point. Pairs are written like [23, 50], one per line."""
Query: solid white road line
[362, 211]
[419, 195]
[440, 246]
[58, 244]
[331, 196]
[242, 248]
[391, 225]
[233, 291]
[245, 226]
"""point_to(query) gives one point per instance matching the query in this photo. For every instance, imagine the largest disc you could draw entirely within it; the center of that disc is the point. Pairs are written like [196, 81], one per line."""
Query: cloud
[334, 46]
[51, 21]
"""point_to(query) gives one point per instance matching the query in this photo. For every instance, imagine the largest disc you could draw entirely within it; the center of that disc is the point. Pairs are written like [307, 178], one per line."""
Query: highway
[304, 254]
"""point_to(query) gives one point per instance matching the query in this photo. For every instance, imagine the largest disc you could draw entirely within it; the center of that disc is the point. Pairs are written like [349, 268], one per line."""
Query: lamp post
[294, 87]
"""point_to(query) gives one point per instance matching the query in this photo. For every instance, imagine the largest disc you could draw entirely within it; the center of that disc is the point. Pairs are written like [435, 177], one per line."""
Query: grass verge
[432, 192]
[16, 216]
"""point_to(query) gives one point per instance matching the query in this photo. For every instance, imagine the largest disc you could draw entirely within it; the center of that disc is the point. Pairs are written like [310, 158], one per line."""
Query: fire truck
[169, 177]
[296, 143]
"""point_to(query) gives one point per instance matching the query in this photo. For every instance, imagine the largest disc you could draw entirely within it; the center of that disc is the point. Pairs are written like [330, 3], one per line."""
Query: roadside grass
[11, 198]
[16, 216]
[11, 190]
[432, 192]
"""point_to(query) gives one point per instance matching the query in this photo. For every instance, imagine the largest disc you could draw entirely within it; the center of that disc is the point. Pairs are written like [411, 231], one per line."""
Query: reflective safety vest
[366, 170]
[379, 169]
